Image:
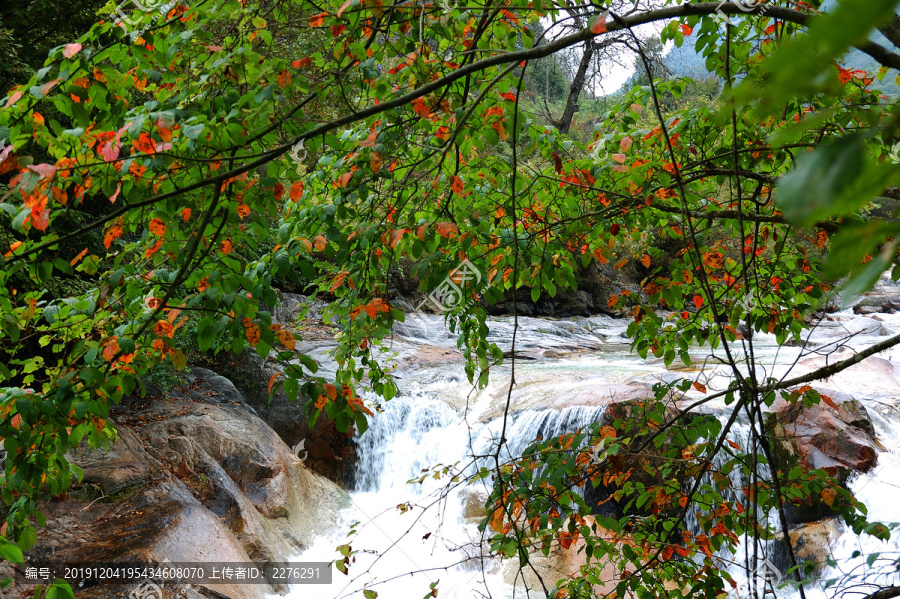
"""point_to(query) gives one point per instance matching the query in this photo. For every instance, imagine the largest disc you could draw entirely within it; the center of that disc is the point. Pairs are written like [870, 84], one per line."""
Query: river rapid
[566, 371]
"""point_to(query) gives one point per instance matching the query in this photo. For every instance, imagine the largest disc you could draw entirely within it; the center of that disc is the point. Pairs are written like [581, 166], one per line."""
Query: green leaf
[829, 181]
[853, 243]
[797, 66]
[291, 388]
[10, 552]
[179, 360]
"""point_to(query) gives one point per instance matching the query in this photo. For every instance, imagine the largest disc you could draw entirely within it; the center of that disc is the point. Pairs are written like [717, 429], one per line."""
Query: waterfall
[410, 536]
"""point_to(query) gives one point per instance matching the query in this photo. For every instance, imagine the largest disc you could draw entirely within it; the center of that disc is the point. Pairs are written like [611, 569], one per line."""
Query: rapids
[566, 371]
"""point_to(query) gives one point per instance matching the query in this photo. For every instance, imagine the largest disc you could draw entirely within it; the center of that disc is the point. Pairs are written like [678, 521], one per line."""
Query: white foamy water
[439, 420]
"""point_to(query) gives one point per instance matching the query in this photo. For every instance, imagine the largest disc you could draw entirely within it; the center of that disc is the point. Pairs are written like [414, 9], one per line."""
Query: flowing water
[410, 536]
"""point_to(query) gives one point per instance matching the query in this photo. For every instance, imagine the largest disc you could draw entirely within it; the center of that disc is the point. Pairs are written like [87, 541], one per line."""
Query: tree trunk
[575, 89]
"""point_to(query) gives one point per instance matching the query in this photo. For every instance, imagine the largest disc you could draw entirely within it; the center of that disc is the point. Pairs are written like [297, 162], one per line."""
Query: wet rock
[474, 501]
[839, 441]
[813, 542]
[647, 466]
[193, 477]
[113, 469]
[331, 452]
[875, 304]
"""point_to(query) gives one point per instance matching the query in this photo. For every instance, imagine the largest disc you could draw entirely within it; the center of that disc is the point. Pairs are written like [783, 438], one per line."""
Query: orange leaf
[243, 210]
[447, 230]
[296, 191]
[567, 539]
[828, 496]
[164, 328]
[251, 330]
[77, 258]
[318, 20]
[496, 520]
[153, 248]
[286, 338]
[698, 301]
[111, 349]
[828, 401]
[272, 381]
[699, 386]
[186, 214]
[645, 260]
[457, 185]
[686, 29]
[319, 243]
[339, 280]
[157, 227]
[113, 232]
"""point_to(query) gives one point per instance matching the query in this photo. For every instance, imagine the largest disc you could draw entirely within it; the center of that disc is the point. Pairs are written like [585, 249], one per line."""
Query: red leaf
[157, 227]
[448, 230]
[557, 162]
[109, 150]
[698, 301]
[272, 381]
[598, 25]
[46, 171]
[296, 191]
[111, 349]
[71, 50]
[303, 62]
[318, 20]
[336, 30]
[344, 7]
[13, 99]
[686, 29]
[828, 401]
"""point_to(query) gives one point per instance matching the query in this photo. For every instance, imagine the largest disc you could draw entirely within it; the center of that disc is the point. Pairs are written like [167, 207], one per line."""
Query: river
[566, 371]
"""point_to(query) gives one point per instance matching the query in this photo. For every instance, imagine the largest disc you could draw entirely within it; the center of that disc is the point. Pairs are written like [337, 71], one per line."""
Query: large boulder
[330, 452]
[838, 439]
[192, 477]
